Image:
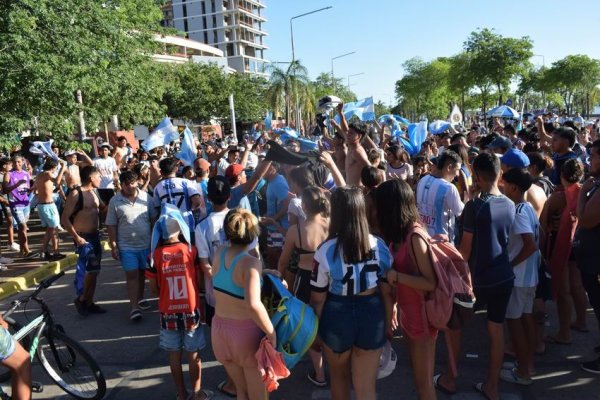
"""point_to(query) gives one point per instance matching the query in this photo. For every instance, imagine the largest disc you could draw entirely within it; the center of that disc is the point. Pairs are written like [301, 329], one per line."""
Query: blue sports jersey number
[368, 275]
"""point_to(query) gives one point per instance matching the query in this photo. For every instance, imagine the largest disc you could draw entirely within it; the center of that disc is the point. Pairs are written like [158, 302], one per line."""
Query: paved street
[136, 369]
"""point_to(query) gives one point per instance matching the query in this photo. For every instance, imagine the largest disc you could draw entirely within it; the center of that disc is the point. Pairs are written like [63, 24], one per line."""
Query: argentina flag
[43, 148]
[187, 153]
[164, 134]
[363, 109]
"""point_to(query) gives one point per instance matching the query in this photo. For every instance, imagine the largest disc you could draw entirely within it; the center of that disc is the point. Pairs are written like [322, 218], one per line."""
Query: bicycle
[65, 361]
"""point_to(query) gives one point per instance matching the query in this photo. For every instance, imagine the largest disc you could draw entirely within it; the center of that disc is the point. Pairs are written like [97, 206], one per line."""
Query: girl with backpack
[413, 276]
[349, 296]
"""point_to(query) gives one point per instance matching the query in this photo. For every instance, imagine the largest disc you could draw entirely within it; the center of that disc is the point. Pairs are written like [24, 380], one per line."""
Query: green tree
[460, 80]
[323, 86]
[249, 95]
[289, 88]
[572, 75]
[381, 108]
[497, 60]
[49, 49]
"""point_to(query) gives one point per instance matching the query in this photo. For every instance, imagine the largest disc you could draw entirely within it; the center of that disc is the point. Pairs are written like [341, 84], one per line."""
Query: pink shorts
[235, 341]
[414, 321]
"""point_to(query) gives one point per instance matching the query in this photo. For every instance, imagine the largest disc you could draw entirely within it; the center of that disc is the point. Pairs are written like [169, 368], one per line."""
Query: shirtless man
[72, 178]
[356, 157]
[83, 225]
[44, 185]
[122, 152]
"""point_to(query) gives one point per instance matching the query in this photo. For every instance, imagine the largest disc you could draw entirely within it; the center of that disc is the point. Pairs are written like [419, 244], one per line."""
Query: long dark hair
[396, 210]
[349, 224]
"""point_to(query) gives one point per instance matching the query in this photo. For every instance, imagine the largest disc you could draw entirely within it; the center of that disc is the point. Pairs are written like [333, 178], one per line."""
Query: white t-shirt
[439, 203]
[404, 172]
[295, 208]
[172, 191]
[107, 167]
[526, 221]
[222, 165]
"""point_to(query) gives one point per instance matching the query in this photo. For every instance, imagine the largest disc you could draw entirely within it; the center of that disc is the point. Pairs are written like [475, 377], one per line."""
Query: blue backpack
[295, 322]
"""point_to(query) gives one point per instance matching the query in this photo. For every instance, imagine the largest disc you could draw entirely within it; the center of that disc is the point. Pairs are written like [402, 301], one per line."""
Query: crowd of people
[348, 228]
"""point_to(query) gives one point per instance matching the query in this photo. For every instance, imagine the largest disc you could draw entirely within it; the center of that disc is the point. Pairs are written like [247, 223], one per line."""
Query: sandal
[221, 389]
[135, 315]
[312, 378]
[479, 389]
[436, 384]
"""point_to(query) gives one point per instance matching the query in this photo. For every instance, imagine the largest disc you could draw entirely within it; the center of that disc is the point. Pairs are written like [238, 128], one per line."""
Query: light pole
[298, 16]
[332, 75]
[349, 76]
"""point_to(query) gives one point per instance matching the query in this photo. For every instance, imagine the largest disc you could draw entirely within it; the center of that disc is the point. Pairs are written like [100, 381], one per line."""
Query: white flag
[456, 117]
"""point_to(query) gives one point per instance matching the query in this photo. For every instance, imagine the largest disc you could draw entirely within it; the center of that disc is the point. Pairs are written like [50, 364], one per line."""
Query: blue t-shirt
[203, 186]
[239, 199]
[489, 218]
[277, 193]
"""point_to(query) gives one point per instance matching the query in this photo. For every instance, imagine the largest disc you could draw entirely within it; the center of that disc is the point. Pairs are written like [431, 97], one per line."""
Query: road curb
[35, 276]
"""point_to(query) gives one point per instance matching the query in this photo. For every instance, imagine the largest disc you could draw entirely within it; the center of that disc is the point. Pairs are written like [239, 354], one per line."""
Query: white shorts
[521, 302]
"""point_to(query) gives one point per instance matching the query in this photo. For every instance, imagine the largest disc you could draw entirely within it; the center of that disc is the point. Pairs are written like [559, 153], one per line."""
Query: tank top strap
[235, 260]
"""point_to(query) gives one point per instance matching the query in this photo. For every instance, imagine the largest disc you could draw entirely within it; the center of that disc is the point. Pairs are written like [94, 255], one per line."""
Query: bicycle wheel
[13, 327]
[71, 367]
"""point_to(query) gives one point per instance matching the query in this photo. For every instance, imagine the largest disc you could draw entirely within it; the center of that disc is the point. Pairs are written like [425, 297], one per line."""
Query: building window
[184, 10]
[212, 6]
[230, 52]
[204, 7]
[214, 21]
[206, 37]
[215, 39]
[204, 24]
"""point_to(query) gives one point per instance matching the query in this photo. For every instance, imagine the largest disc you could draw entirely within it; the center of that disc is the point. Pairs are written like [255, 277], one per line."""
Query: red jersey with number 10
[175, 270]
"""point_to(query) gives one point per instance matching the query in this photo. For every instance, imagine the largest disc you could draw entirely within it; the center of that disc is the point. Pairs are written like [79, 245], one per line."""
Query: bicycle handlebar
[46, 283]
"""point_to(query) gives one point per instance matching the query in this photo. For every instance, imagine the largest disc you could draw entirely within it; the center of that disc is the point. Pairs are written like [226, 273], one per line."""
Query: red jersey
[175, 270]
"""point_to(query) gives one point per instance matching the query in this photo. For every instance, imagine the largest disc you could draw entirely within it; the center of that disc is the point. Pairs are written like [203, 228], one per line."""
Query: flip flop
[436, 384]
[479, 389]
[554, 340]
[223, 391]
[580, 330]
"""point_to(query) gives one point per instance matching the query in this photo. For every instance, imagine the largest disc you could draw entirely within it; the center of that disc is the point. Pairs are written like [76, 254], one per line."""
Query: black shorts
[301, 287]
[544, 287]
[353, 321]
[495, 299]
[106, 195]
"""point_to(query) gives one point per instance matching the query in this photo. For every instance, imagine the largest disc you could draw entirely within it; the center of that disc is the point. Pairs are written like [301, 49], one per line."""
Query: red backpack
[450, 304]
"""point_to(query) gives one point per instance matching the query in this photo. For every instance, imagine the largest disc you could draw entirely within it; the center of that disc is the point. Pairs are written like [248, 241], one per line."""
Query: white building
[233, 26]
[180, 50]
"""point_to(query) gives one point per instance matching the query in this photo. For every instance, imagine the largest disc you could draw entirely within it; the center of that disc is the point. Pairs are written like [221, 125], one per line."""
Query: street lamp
[349, 76]
[298, 16]
[332, 75]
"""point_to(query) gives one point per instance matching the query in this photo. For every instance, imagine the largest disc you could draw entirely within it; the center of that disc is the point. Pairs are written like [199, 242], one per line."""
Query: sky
[385, 33]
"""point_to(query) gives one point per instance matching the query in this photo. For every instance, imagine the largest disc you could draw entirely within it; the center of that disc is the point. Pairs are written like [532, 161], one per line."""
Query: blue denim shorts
[190, 341]
[7, 344]
[20, 215]
[134, 259]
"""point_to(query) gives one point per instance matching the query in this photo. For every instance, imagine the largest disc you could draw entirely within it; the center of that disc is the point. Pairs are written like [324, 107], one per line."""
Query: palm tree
[288, 88]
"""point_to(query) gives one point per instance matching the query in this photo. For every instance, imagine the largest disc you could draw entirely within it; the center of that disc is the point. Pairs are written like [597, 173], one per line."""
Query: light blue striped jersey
[439, 203]
[331, 272]
[526, 221]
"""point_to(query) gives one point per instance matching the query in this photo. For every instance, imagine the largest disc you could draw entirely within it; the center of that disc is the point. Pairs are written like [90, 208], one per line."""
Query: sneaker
[592, 366]
[30, 255]
[143, 304]
[95, 309]
[57, 256]
[81, 308]
[5, 260]
[135, 315]
[15, 246]
[312, 378]
[61, 229]
[511, 376]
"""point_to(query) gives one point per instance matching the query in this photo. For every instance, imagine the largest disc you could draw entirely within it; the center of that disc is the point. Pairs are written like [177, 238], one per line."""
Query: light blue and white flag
[187, 153]
[168, 223]
[268, 121]
[43, 148]
[417, 133]
[164, 134]
[363, 109]
[439, 126]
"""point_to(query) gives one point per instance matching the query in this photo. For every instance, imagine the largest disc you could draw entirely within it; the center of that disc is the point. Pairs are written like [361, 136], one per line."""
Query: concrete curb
[35, 276]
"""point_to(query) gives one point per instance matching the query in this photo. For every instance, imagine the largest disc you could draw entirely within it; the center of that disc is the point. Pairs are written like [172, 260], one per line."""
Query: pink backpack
[450, 304]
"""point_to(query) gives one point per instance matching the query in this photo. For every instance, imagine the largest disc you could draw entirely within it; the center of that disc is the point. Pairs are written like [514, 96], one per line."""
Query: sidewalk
[23, 273]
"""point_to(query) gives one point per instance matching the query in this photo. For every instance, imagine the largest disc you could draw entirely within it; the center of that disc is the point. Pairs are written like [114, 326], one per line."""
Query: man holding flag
[356, 159]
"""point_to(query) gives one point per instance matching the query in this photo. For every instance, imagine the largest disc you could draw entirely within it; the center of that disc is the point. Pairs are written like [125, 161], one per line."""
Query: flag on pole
[363, 109]
[164, 134]
[43, 148]
[187, 153]
[456, 117]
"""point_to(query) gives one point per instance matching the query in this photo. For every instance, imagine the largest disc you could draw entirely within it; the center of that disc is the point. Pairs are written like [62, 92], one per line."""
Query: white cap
[69, 153]
[387, 361]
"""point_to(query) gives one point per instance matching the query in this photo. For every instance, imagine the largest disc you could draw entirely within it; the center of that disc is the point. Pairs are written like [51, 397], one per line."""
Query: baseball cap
[218, 188]
[69, 153]
[108, 146]
[500, 143]
[515, 158]
[233, 171]
[202, 164]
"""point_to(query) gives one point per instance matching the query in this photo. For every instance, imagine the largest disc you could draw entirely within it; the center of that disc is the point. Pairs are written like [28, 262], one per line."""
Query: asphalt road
[135, 368]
